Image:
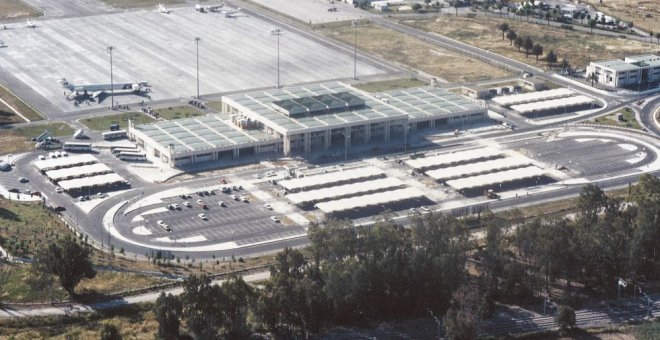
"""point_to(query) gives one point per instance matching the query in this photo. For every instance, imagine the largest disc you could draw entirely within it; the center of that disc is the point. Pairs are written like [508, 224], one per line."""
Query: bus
[116, 150]
[109, 135]
[132, 156]
[72, 146]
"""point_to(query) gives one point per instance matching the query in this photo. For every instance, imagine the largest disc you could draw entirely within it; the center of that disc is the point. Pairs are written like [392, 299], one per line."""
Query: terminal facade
[303, 120]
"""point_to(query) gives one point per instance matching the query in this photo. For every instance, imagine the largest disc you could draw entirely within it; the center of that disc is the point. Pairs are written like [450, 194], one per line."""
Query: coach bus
[72, 146]
[118, 149]
[109, 135]
[132, 156]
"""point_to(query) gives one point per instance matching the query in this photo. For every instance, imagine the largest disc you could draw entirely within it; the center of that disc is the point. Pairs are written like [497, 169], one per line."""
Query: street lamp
[197, 40]
[355, 25]
[277, 32]
[437, 321]
[112, 87]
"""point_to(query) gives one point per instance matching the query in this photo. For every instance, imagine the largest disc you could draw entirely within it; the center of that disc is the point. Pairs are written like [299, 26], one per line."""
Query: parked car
[23, 180]
[268, 206]
[222, 204]
[202, 216]
[59, 190]
[101, 195]
[275, 219]
[187, 204]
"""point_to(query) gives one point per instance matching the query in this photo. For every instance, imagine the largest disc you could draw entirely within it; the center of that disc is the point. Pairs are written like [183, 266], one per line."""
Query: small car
[176, 206]
[245, 199]
[268, 206]
[23, 180]
[101, 195]
[42, 157]
[425, 208]
[202, 216]
[256, 176]
[222, 204]
[59, 190]
[234, 197]
[187, 204]
[275, 219]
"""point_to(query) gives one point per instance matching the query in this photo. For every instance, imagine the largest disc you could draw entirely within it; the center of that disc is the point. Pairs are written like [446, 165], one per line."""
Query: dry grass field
[16, 9]
[414, 54]
[17, 140]
[578, 47]
[645, 14]
[17, 104]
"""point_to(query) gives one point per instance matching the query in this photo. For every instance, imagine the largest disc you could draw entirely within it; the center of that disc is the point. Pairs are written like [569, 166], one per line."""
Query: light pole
[277, 32]
[112, 86]
[355, 25]
[197, 40]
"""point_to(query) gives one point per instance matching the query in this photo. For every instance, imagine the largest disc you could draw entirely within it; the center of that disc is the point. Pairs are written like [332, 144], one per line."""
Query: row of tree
[529, 46]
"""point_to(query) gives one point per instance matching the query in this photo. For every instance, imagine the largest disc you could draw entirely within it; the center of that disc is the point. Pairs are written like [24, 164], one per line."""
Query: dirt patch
[414, 53]
[19, 105]
[577, 47]
[16, 9]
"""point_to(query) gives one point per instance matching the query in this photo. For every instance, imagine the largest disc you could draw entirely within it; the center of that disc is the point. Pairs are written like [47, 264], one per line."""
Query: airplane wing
[96, 94]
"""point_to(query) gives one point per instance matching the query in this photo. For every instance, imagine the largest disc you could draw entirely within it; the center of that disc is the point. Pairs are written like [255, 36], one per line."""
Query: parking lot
[237, 221]
[588, 156]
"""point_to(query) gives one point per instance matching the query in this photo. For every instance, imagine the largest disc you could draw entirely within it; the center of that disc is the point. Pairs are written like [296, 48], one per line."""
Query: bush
[566, 27]
[565, 318]
[471, 15]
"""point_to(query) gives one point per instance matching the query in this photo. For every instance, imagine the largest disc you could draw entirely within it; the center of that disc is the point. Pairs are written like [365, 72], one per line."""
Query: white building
[631, 71]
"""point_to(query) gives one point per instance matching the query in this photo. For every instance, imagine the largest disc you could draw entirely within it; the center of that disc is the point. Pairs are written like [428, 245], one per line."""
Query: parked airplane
[94, 90]
[163, 9]
[30, 24]
[209, 8]
[231, 13]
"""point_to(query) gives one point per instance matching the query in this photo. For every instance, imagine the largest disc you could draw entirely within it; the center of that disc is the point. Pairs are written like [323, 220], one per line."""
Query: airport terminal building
[302, 120]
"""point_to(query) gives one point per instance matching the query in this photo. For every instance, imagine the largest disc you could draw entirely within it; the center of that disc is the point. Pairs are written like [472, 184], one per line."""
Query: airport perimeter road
[647, 115]
[70, 308]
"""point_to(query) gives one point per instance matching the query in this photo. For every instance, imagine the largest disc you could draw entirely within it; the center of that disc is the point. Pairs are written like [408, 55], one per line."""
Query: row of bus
[128, 153]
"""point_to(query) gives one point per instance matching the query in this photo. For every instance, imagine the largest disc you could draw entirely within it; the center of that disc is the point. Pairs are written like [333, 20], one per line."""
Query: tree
[168, 314]
[565, 318]
[537, 50]
[110, 332]
[202, 306]
[238, 298]
[565, 65]
[519, 42]
[551, 58]
[528, 45]
[631, 25]
[657, 37]
[416, 7]
[68, 260]
[504, 27]
[511, 35]
[603, 21]
[460, 321]
[592, 24]
[547, 17]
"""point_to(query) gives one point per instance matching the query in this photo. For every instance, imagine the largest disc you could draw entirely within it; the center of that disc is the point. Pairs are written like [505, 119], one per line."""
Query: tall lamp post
[197, 40]
[277, 32]
[355, 26]
[112, 87]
